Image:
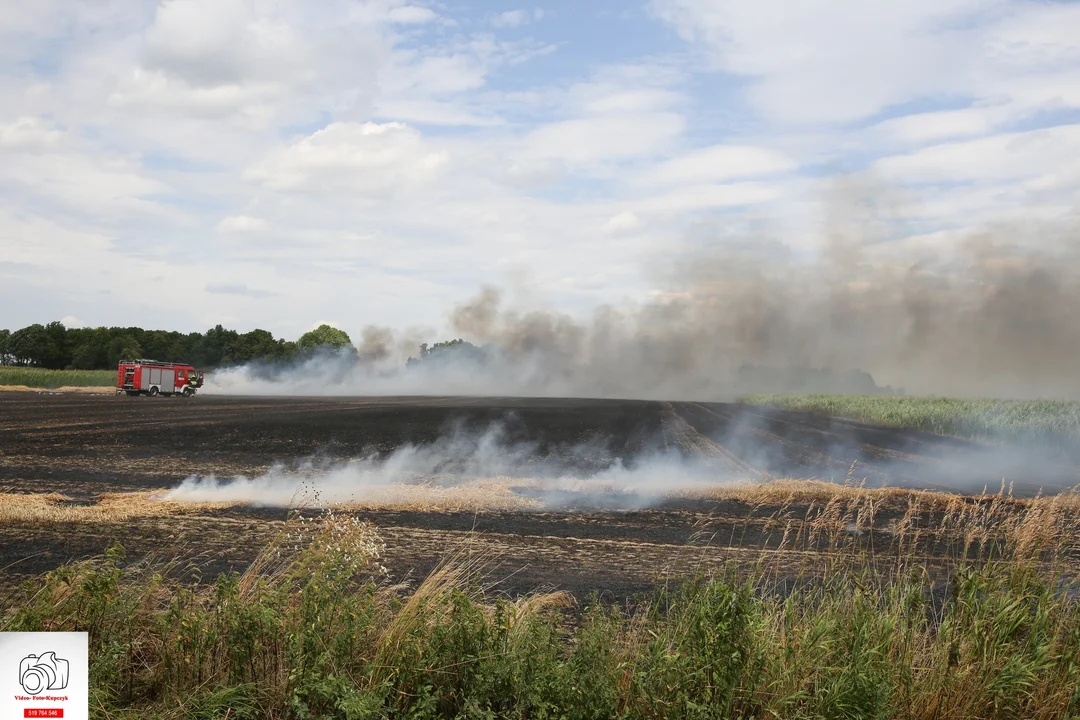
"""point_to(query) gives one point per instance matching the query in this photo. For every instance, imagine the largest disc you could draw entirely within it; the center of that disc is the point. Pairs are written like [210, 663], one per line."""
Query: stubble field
[98, 467]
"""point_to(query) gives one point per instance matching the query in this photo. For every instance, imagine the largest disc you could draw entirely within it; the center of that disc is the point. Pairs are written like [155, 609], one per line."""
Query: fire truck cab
[153, 377]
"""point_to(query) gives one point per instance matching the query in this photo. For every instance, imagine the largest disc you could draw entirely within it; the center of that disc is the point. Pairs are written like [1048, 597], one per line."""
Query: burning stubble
[466, 469]
[696, 451]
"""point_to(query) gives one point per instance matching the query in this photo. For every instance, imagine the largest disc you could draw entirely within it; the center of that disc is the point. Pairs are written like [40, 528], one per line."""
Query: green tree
[32, 345]
[257, 345]
[57, 357]
[324, 335]
[449, 351]
[54, 346]
[124, 347]
[212, 349]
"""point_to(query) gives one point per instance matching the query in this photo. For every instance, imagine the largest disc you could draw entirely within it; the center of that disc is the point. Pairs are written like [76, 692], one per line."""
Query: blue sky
[279, 164]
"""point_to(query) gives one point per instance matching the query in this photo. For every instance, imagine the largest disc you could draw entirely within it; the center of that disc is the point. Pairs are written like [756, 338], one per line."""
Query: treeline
[57, 347]
[457, 351]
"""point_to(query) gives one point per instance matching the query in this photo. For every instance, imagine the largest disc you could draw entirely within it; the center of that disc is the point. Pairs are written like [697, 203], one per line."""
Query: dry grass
[107, 508]
[65, 389]
[478, 495]
[311, 629]
[499, 494]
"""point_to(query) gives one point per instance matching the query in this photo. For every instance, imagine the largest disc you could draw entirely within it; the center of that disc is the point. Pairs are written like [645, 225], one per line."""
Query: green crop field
[1044, 421]
[51, 379]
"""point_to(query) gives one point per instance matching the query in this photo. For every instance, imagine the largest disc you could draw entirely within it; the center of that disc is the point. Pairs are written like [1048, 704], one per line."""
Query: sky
[277, 164]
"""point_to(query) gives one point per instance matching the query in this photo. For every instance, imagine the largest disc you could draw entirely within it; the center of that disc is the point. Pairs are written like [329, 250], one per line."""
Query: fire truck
[153, 377]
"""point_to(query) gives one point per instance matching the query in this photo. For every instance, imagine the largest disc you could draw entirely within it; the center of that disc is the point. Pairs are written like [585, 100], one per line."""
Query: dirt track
[84, 445]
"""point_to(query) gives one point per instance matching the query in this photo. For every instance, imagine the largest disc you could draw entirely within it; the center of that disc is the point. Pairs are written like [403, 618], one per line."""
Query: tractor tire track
[772, 452]
[677, 431]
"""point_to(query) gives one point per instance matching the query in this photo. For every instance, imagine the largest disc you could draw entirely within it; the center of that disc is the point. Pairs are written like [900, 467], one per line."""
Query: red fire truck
[153, 377]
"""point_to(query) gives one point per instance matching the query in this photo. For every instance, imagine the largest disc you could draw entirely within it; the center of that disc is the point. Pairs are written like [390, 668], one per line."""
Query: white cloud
[833, 60]
[411, 15]
[156, 90]
[1007, 156]
[210, 43]
[512, 18]
[75, 180]
[29, 134]
[241, 223]
[237, 288]
[369, 159]
[258, 61]
[631, 101]
[946, 124]
[591, 140]
[717, 163]
[705, 197]
[844, 60]
[535, 172]
[621, 223]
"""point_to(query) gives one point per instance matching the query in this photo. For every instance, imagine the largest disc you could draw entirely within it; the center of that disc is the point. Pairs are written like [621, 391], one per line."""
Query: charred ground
[82, 446]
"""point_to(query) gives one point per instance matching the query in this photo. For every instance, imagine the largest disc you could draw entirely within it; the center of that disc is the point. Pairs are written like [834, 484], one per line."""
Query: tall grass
[313, 630]
[52, 379]
[1049, 421]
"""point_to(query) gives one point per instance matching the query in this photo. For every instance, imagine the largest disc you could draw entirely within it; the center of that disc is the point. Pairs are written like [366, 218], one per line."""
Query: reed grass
[869, 628]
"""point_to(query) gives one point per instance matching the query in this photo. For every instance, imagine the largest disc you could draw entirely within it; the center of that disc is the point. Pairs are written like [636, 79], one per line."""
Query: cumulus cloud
[364, 158]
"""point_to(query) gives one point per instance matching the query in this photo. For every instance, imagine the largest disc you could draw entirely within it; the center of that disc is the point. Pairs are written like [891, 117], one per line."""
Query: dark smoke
[995, 313]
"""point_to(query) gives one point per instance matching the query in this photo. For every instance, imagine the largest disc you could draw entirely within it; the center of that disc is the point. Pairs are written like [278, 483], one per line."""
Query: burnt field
[616, 539]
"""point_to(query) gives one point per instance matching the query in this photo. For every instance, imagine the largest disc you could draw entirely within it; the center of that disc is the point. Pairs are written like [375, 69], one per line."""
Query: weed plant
[865, 627]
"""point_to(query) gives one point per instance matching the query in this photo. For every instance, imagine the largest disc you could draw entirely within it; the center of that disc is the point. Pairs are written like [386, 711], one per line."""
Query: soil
[83, 445]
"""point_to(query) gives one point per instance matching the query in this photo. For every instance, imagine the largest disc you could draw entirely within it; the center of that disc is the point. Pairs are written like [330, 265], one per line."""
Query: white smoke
[464, 468]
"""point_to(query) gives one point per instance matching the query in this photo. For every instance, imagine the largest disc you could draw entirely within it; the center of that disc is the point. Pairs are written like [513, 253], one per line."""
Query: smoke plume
[467, 469]
[990, 313]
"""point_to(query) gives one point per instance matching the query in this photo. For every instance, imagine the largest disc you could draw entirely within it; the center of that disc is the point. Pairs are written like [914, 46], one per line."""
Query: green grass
[52, 379]
[310, 631]
[1052, 422]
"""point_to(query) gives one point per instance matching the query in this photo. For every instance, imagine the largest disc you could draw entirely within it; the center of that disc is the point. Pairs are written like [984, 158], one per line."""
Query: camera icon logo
[38, 673]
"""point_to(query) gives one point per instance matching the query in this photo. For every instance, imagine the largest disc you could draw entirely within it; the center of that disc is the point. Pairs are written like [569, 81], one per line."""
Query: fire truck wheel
[132, 393]
[186, 392]
[153, 390]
